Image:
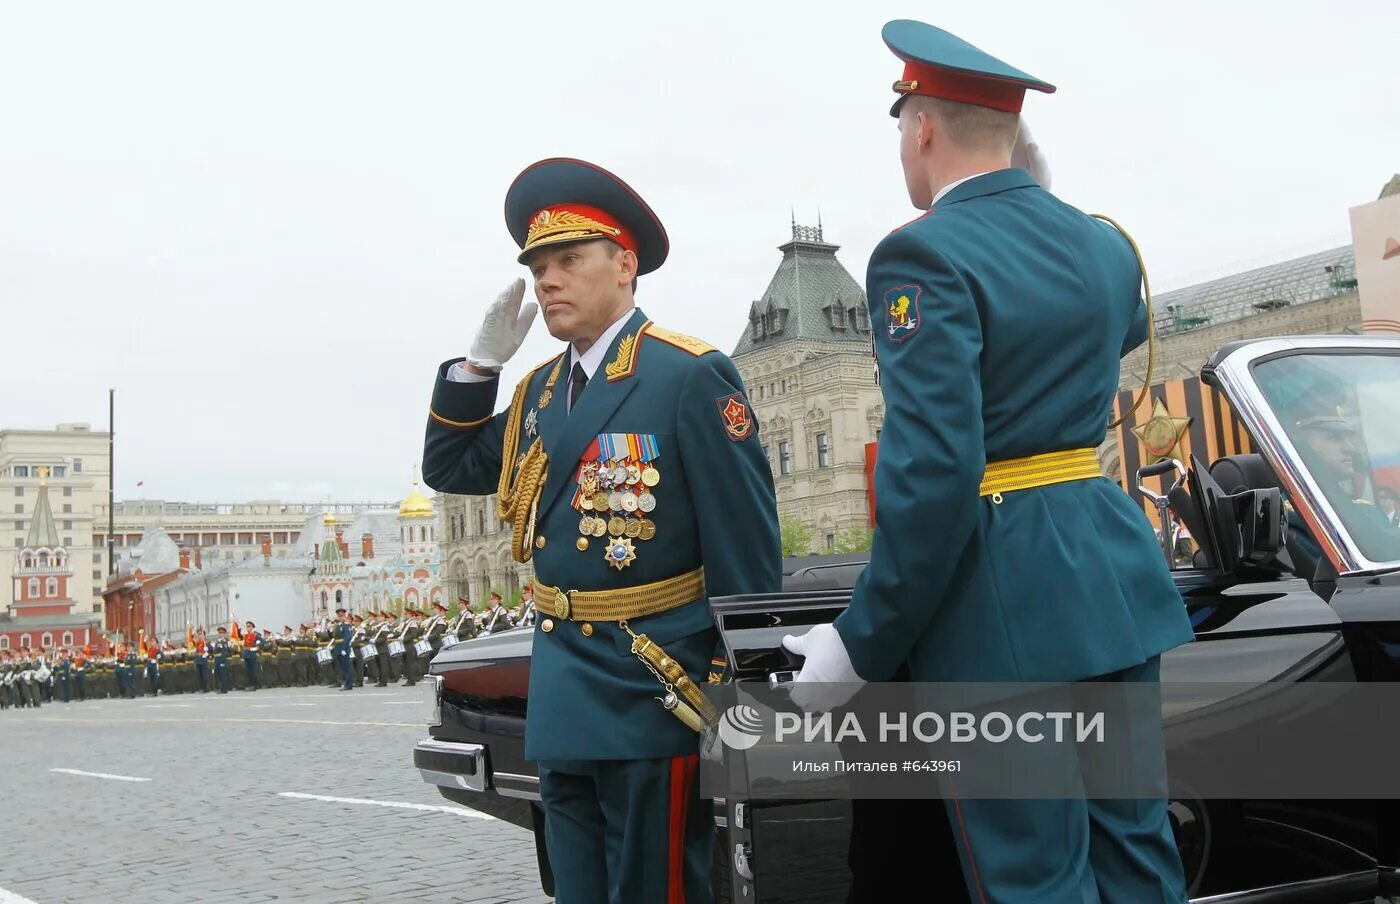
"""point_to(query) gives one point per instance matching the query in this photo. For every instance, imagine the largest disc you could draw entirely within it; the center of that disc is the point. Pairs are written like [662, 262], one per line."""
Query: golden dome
[328, 520]
[416, 505]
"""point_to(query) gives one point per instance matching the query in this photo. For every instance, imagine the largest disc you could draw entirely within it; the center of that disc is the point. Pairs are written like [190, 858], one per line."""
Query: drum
[449, 640]
[396, 648]
[323, 655]
[423, 647]
[368, 651]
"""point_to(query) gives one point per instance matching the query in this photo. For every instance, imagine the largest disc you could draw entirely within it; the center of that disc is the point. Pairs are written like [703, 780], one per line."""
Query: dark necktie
[577, 380]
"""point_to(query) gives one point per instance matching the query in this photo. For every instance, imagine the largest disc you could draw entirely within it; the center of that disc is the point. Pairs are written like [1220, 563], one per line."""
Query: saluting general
[1001, 315]
[629, 466]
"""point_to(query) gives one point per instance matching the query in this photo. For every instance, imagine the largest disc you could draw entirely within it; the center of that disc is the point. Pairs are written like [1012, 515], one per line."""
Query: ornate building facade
[43, 574]
[476, 551]
[397, 565]
[409, 574]
[806, 361]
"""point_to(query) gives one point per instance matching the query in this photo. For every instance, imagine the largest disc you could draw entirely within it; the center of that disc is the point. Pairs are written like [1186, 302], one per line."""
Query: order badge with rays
[902, 318]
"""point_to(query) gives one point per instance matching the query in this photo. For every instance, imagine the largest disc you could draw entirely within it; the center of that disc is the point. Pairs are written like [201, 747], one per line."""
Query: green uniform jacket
[999, 320]
[590, 698]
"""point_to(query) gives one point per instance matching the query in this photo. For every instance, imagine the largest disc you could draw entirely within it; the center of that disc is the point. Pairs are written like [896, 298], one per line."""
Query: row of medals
[612, 494]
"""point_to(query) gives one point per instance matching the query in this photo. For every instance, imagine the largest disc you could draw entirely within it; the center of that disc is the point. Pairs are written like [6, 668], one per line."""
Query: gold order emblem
[633, 529]
[647, 529]
[619, 552]
[616, 526]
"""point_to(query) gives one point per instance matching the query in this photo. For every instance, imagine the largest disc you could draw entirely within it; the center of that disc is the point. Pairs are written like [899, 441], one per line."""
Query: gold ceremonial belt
[620, 605]
[1038, 471]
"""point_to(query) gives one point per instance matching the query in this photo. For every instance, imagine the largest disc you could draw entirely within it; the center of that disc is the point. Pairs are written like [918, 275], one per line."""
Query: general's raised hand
[503, 329]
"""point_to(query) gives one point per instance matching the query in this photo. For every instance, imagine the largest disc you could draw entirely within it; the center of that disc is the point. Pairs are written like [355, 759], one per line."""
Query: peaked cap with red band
[939, 64]
[563, 200]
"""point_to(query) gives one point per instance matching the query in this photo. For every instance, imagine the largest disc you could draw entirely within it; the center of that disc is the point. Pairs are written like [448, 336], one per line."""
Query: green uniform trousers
[628, 831]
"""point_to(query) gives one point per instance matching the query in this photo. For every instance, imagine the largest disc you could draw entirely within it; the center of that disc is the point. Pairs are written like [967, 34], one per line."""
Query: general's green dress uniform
[655, 494]
[1000, 317]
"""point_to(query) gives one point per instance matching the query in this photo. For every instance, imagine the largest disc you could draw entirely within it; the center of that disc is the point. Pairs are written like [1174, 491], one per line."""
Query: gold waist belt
[623, 604]
[1038, 471]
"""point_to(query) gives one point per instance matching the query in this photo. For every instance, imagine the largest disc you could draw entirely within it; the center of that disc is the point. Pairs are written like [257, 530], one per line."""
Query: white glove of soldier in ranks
[1027, 156]
[506, 323]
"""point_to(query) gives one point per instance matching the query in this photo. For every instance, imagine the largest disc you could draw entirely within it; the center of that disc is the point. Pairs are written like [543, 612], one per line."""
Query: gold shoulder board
[695, 346]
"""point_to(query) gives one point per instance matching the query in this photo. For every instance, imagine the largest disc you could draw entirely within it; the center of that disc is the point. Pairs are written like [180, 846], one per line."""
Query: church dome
[329, 519]
[416, 505]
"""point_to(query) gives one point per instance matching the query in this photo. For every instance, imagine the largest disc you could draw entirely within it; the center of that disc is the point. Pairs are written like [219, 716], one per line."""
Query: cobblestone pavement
[221, 814]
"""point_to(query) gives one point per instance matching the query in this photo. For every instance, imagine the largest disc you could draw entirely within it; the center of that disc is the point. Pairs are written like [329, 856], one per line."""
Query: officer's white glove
[1027, 155]
[827, 679]
[503, 328]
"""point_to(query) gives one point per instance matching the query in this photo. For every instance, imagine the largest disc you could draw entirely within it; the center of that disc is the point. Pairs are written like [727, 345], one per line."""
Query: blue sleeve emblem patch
[902, 317]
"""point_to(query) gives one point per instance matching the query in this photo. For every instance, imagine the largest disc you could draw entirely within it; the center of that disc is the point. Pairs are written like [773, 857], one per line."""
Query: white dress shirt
[952, 185]
[589, 360]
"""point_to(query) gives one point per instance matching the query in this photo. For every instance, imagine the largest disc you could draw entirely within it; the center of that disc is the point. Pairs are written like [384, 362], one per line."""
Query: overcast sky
[265, 224]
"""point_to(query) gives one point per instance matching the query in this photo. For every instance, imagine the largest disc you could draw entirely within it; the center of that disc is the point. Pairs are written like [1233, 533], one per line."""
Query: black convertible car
[1296, 578]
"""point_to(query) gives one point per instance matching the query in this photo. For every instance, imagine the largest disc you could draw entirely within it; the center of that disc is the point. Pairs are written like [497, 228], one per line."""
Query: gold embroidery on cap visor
[550, 227]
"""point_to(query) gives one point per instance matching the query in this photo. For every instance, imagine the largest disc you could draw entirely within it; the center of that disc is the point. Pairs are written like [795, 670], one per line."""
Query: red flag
[189, 635]
[234, 632]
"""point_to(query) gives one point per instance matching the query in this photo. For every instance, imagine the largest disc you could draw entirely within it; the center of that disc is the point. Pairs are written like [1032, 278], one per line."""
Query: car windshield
[1342, 413]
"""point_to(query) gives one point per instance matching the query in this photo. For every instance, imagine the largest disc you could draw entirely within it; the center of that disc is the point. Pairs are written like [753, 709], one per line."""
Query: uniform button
[581, 543]
[547, 625]
[587, 629]
[539, 542]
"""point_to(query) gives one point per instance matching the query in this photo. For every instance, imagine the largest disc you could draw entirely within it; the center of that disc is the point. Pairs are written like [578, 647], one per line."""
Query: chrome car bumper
[467, 767]
[451, 764]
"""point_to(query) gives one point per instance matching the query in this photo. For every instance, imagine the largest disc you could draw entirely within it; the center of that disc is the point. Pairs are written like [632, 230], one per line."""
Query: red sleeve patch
[737, 416]
[902, 317]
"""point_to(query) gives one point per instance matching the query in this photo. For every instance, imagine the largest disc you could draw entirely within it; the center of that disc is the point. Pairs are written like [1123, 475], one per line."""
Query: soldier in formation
[384, 649]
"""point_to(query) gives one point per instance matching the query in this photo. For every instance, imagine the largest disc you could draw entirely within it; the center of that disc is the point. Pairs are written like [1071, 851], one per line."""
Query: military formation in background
[379, 650]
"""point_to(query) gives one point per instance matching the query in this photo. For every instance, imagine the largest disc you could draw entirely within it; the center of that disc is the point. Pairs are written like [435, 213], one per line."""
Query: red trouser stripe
[683, 769]
[967, 844]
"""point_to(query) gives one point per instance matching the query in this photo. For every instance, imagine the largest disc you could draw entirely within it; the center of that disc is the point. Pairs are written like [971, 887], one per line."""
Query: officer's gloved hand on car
[503, 329]
[827, 679]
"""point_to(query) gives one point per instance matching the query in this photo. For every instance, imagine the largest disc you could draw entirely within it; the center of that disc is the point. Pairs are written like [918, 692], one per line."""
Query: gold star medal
[1161, 434]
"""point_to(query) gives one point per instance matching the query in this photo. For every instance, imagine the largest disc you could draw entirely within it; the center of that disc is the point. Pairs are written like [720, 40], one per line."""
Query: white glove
[1026, 155]
[503, 328]
[827, 679]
